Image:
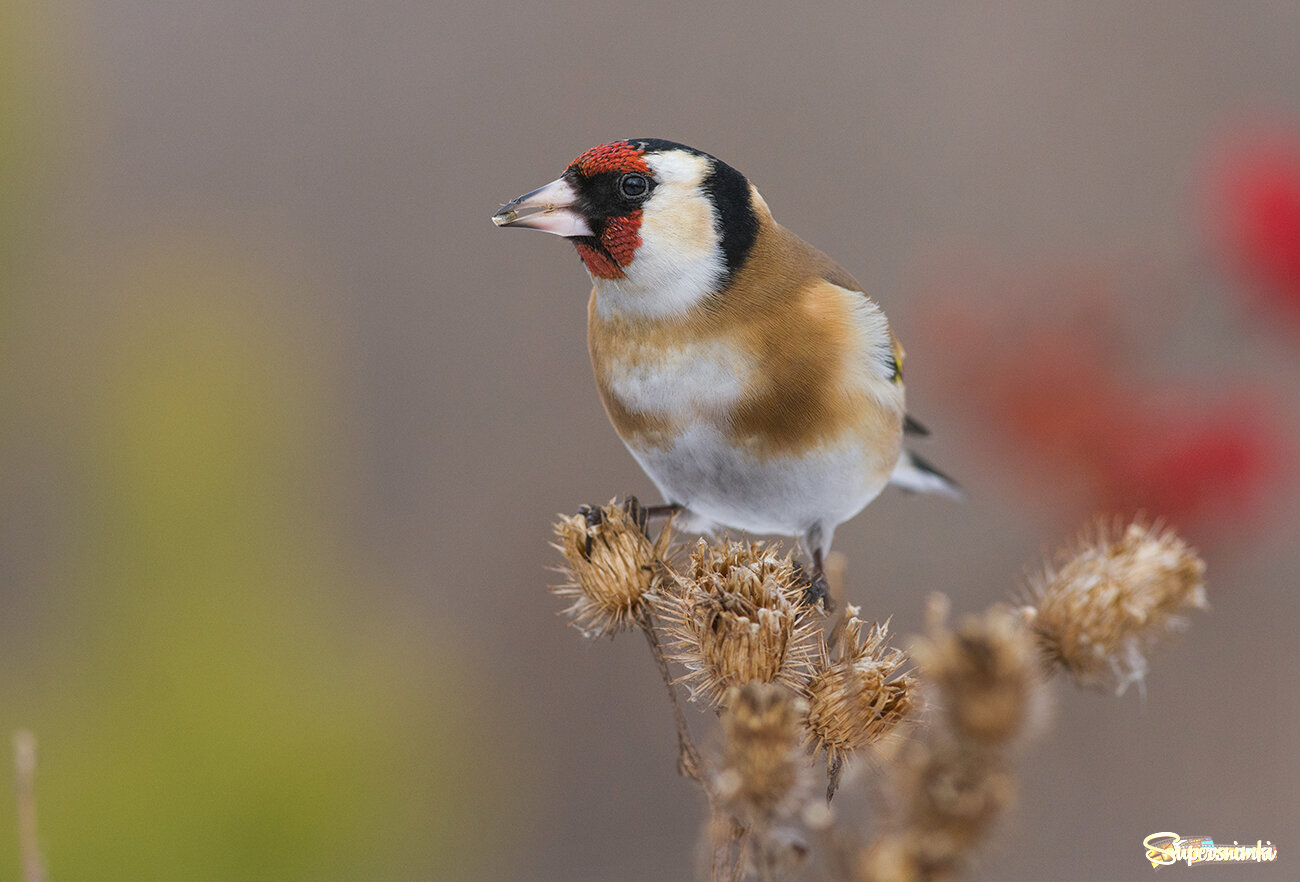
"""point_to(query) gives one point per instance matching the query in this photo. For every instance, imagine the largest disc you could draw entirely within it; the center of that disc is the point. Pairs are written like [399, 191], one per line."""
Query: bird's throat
[615, 247]
[598, 261]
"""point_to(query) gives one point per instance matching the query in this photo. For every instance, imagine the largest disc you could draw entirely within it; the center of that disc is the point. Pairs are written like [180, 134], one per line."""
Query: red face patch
[620, 238]
[621, 235]
[598, 263]
[617, 156]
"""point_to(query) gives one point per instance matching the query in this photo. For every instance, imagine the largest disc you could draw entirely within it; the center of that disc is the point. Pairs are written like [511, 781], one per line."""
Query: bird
[748, 374]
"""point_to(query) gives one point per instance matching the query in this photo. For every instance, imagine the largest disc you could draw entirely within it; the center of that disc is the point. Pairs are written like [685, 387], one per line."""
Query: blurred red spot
[1255, 204]
[1199, 469]
[1057, 385]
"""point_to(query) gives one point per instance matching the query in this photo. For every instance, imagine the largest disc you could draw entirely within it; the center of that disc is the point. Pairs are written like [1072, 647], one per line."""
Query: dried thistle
[856, 695]
[953, 792]
[762, 780]
[612, 567]
[762, 763]
[1111, 598]
[735, 616]
[984, 670]
[953, 784]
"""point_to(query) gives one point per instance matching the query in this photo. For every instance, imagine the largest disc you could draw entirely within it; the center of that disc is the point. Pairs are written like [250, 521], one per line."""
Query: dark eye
[633, 186]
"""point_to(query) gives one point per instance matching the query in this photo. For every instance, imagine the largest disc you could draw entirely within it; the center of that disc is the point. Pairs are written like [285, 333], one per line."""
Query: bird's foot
[815, 587]
[668, 509]
[593, 514]
[640, 514]
[594, 517]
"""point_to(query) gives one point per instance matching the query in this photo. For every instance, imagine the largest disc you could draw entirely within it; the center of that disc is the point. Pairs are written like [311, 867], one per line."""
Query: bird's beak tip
[550, 209]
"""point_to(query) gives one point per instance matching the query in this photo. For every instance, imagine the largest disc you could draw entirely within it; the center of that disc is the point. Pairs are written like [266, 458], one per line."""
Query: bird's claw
[639, 514]
[815, 588]
[594, 517]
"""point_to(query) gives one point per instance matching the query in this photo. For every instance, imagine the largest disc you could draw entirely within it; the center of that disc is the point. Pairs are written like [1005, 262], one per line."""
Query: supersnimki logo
[1162, 849]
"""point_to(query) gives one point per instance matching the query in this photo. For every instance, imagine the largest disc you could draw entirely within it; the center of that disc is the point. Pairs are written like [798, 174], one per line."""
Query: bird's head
[659, 225]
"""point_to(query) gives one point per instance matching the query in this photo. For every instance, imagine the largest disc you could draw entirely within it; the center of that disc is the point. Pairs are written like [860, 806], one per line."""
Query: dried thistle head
[953, 784]
[952, 791]
[1112, 597]
[737, 615]
[611, 567]
[856, 695]
[763, 768]
[985, 671]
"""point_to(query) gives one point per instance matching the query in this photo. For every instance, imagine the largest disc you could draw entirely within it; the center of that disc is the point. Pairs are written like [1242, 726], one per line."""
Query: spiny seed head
[985, 670]
[963, 785]
[856, 695]
[737, 615]
[951, 785]
[950, 792]
[763, 767]
[1112, 597]
[611, 568]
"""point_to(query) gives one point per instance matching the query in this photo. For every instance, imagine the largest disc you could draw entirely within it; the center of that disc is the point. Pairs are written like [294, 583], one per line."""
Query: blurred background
[284, 421]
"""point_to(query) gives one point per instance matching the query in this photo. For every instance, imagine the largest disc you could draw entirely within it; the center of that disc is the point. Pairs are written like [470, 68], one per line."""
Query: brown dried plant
[762, 764]
[789, 681]
[857, 694]
[763, 777]
[611, 567]
[955, 782]
[1110, 598]
[736, 614]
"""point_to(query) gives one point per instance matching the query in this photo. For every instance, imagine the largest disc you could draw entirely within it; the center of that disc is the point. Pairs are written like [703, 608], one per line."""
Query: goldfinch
[748, 374]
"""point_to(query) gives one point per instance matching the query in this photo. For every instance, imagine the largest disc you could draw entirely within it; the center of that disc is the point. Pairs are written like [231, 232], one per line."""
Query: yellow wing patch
[898, 358]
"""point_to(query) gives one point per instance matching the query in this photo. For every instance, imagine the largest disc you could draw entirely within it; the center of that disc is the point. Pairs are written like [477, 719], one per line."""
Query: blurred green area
[213, 693]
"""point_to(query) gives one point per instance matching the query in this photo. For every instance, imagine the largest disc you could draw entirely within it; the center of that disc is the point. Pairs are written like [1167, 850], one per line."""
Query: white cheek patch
[680, 261]
[677, 380]
[678, 217]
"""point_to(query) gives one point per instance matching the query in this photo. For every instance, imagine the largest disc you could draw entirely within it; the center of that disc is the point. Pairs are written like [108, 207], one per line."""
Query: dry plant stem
[723, 867]
[742, 847]
[688, 757]
[730, 854]
[25, 784]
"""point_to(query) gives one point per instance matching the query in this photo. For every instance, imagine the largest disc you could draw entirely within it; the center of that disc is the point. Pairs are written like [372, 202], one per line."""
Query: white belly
[724, 486]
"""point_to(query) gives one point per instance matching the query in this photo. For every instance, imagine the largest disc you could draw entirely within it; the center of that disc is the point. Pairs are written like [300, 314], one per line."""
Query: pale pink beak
[549, 209]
